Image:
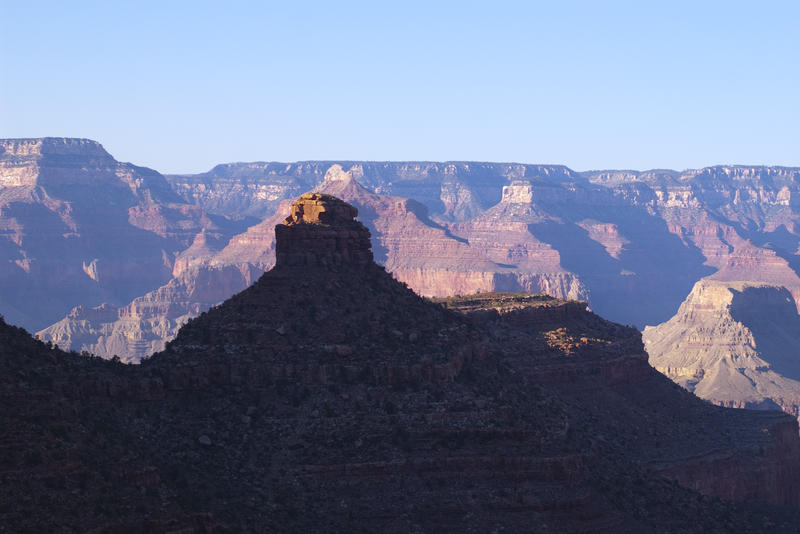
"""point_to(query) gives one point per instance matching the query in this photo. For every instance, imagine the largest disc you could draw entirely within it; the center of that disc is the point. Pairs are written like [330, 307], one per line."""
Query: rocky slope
[138, 329]
[328, 397]
[202, 277]
[734, 343]
[600, 369]
[79, 228]
[738, 221]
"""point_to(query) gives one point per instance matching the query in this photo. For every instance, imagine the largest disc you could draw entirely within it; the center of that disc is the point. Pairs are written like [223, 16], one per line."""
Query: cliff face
[84, 230]
[415, 249]
[79, 228]
[629, 237]
[734, 343]
[646, 234]
[329, 397]
[742, 219]
[454, 190]
[632, 244]
[434, 261]
[254, 189]
[143, 326]
[203, 276]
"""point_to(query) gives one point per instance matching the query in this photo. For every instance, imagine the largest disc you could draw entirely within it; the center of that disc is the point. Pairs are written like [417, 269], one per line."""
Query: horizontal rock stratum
[328, 397]
[113, 258]
[734, 343]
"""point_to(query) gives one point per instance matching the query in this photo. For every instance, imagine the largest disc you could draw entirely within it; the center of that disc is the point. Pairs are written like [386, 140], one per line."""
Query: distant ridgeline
[112, 258]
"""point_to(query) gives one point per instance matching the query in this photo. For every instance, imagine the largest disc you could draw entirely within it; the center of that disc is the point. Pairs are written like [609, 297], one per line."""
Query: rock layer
[83, 230]
[321, 229]
[734, 343]
[79, 228]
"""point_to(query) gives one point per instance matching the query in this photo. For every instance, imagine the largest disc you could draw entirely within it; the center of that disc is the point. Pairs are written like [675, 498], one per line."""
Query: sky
[182, 86]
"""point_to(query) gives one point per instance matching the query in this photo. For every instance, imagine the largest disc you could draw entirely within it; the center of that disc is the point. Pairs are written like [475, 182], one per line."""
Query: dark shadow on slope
[421, 211]
[47, 280]
[229, 227]
[367, 216]
[782, 242]
[652, 275]
[771, 315]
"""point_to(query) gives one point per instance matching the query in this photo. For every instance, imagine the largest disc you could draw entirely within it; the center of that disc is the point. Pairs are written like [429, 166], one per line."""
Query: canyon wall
[79, 228]
[88, 240]
[734, 343]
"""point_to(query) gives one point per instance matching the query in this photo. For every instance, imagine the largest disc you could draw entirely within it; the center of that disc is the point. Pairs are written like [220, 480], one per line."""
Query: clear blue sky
[181, 86]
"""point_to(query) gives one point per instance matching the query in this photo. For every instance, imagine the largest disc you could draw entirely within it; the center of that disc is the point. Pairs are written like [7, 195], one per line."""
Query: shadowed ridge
[326, 301]
[328, 397]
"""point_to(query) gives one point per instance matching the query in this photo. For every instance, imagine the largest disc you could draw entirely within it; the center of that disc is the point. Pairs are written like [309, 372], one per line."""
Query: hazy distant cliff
[453, 190]
[80, 229]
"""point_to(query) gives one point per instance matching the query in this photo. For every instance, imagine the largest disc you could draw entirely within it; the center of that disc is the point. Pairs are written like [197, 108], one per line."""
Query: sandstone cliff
[434, 261]
[733, 343]
[634, 227]
[452, 190]
[630, 237]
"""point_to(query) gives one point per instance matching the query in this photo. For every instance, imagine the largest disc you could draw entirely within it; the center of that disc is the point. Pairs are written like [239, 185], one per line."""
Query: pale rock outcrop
[733, 343]
[144, 325]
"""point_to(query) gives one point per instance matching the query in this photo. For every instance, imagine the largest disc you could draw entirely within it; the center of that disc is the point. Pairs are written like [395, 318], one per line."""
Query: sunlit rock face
[733, 343]
[322, 230]
[518, 192]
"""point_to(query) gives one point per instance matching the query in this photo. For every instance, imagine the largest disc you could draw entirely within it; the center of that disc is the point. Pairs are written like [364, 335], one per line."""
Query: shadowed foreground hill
[328, 397]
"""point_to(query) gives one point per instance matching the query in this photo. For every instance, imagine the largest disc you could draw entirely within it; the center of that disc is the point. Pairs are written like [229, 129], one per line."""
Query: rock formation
[629, 237]
[734, 343]
[141, 327]
[88, 240]
[455, 190]
[414, 248]
[433, 261]
[328, 397]
[321, 229]
[79, 228]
